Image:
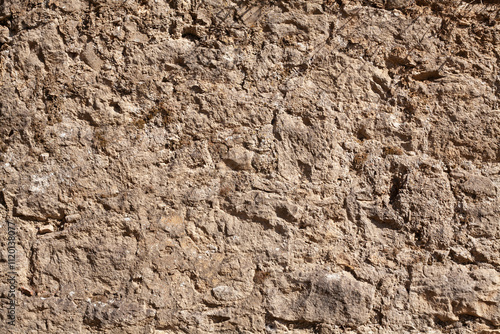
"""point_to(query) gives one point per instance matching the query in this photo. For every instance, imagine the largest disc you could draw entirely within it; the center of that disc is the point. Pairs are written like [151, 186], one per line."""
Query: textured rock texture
[287, 166]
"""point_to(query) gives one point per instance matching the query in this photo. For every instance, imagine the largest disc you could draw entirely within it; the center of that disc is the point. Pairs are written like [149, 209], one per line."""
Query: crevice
[217, 319]
[305, 169]
[244, 216]
[298, 324]
[382, 223]
[2, 200]
[283, 213]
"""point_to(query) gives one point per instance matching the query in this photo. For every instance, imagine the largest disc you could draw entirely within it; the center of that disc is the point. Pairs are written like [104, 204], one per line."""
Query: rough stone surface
[290, 166]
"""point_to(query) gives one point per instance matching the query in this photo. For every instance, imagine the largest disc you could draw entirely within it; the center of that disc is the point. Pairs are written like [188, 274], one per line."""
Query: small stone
[26, 291]
[225, 293]
[46, 229]
[461, 255]
[72, 218]
[44, 157]
[479, 186]
[239, 158]
[90, 58]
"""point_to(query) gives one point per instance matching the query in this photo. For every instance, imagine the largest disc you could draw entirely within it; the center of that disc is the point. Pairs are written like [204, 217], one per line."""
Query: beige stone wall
[220, 166]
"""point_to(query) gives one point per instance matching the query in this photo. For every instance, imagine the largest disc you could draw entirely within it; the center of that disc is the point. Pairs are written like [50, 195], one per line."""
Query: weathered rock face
[220, 166]
[325, 298]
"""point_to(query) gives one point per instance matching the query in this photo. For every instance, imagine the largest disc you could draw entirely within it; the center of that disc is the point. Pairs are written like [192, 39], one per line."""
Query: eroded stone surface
[251, 167]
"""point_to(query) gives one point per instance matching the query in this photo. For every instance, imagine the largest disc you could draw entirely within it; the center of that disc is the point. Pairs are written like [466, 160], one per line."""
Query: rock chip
[239, 158]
